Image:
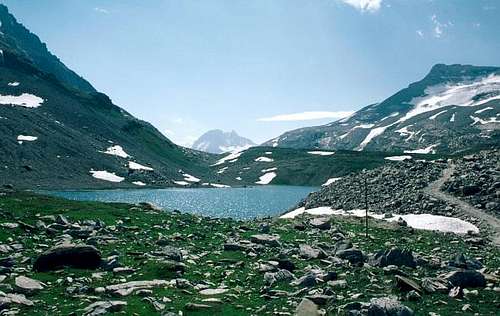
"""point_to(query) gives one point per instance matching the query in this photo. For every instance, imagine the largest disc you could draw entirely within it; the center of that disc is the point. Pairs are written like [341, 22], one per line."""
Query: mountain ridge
[459, 92]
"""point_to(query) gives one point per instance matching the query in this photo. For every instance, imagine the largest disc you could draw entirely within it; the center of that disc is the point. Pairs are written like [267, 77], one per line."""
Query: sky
[259, 67]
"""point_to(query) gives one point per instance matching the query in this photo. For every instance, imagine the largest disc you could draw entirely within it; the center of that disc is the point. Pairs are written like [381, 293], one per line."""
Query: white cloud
[306, 116]
[420, 33]
[101, 10]
[364, 5]
[438, 26]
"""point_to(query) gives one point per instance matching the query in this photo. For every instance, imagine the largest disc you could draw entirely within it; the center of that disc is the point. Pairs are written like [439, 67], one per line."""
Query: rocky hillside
[392, 188]
[455, 107]
[287, 166]
[56, 132]
[218, 142]
[476, 179]
[57, 258]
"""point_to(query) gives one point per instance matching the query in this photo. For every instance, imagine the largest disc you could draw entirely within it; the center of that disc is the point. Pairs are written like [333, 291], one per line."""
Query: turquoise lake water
[238, 203]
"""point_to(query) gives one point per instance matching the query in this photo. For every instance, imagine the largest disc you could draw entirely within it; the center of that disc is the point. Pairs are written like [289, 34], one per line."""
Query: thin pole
[366, 208]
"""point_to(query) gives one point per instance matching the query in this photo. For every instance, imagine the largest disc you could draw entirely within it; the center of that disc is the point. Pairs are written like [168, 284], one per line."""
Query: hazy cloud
[420, 33]
[306, 116]
[101, 10]
[364, 5]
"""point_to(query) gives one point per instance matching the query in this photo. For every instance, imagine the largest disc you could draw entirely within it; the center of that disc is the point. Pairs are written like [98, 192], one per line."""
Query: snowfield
[398, 158]
[136, 166]
[26, 138]
[232, 157]
[106, 176]
[190, 178]
[459, 94]
[330, 181]
[116, 150]
[321, 153]
[25, 100]
[417, 221]
[427, 150]
[264, 159]
[266, 178]
[269, 170]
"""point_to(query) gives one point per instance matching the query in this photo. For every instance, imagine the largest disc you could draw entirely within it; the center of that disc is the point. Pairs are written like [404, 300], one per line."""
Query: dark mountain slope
[14, 35]
[53, 135]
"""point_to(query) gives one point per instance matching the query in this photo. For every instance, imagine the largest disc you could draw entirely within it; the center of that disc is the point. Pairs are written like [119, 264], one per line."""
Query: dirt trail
[434, 190]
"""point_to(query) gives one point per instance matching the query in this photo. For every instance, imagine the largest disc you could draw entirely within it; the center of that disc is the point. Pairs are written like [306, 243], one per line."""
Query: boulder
[388, 306]
[354, 256]
[308, 252]
[394, 256]
[103, 307]
[27, 285]
[322, 223]
[68, 255]
[465, 278]
[265, 239]
[9, 299]
[307, 308]
[406, 284]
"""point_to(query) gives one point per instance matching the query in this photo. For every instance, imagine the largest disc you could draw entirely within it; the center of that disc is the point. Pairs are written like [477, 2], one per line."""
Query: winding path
[434, 190]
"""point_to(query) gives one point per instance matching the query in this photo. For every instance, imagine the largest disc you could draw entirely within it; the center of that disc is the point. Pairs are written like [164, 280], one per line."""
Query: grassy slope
[298, 167]
[245, 282]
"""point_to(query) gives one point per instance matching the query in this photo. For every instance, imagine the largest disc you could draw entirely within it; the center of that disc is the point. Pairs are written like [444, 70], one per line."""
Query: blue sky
[188, 66]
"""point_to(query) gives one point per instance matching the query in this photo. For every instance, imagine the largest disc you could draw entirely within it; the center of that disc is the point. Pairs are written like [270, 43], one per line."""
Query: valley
[392, 211]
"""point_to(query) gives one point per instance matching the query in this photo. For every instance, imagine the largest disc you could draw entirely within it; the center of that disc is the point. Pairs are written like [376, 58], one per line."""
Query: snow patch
[25, 100]
[269, 170]
[417, 221]
[13, 84]
[426, 150]
[372, 134]
[139, 183]
[106, 176]
[437, 114]
[266, 178]
[136, 166]
[116, 150]
[264, 159]
[398, 158]
[218, 185]
[26, 138]
[190, 178]
[452, 119]
[330, 181]
[232, 157]
[485, 109]
[321, 153]
[183, 183]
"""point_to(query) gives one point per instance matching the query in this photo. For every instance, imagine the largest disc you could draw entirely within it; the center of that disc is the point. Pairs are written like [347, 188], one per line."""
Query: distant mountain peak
[217, 141]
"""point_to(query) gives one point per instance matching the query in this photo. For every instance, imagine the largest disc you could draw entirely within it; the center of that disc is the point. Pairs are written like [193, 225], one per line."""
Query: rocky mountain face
[455, 107]
[218, 142]
[14, 36]
[55, 130]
